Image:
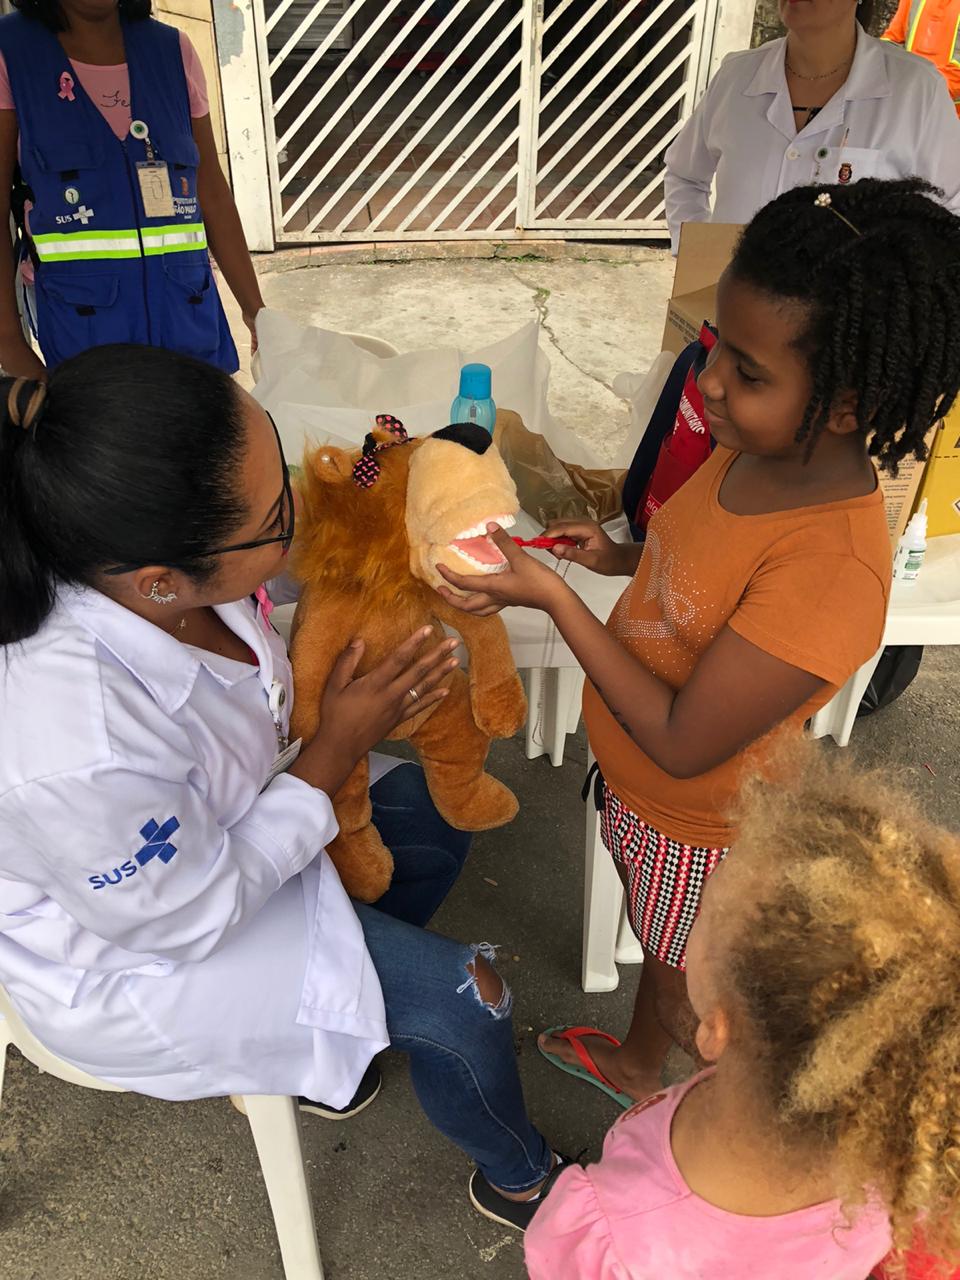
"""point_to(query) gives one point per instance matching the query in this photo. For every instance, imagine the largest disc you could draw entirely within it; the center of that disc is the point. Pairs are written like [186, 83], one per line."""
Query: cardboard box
[941, 481]
[900, 495]
[705, 250]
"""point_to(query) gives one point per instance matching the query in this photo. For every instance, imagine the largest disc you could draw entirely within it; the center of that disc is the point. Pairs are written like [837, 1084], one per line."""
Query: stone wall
[766, 22]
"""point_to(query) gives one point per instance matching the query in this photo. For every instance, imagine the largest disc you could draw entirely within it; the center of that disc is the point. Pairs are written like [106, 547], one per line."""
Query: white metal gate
[486, 119]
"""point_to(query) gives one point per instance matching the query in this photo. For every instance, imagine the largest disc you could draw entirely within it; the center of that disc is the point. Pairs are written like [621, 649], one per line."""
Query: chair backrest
[16, 1032]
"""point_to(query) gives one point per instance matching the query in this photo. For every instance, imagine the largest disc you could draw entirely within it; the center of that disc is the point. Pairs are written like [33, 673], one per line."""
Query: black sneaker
[367, 1090]
[511, 1213]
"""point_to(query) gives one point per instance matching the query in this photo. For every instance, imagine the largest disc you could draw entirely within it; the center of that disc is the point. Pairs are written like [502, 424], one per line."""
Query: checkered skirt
[665, 879]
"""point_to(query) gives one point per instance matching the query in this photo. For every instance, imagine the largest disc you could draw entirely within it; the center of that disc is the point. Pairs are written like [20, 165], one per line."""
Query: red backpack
[687, 444]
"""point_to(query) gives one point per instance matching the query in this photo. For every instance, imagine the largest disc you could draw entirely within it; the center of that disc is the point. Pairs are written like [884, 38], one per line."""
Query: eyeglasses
[285, 536]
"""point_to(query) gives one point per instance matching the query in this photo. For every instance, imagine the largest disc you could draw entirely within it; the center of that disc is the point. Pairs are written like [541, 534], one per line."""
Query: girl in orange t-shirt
[763, 583]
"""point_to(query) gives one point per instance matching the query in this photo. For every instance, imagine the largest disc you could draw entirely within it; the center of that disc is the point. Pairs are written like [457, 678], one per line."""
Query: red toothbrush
[545, 542]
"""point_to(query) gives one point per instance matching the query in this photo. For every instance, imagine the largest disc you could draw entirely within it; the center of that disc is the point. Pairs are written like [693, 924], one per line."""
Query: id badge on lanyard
[287, 751]
[153, 177]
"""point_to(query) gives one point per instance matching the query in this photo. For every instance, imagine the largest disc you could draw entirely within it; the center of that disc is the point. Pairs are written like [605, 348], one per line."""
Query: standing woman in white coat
[169, 919]
[825, 104]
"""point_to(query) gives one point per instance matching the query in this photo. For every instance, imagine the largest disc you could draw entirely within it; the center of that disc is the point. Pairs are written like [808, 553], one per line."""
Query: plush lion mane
[349, 535]
[371, 529]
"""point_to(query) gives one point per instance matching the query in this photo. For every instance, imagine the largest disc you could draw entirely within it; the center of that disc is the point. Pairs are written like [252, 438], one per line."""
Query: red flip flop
[588, 1070]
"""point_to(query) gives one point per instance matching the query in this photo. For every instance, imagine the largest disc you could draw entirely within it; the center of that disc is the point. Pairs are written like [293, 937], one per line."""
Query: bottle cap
[475, 381]
[919, 520]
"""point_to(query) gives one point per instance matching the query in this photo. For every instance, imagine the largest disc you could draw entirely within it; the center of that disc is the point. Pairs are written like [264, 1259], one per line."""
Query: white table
[925, 612]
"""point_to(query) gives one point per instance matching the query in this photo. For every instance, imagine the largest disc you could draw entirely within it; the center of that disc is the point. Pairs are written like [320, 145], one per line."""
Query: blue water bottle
[473, 404]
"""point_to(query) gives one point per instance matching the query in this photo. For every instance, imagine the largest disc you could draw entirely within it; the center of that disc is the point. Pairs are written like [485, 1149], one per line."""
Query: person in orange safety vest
[931, 28]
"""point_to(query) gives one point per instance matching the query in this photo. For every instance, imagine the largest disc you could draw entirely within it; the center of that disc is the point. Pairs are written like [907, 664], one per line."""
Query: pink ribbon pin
[266, 607]
[66, 88]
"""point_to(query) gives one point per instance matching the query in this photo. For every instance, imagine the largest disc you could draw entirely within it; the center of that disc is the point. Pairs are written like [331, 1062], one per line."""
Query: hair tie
[825, 201]
[26, 417]
[366, 470]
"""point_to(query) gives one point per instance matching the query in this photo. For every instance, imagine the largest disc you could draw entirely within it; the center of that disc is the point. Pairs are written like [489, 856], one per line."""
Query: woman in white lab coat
[169, 919]
[826, 104]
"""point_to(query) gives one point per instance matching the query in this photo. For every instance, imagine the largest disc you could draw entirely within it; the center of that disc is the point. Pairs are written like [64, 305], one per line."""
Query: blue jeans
[462, 1059]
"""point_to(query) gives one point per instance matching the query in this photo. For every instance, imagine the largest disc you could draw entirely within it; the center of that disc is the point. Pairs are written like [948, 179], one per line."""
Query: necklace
[843, 66]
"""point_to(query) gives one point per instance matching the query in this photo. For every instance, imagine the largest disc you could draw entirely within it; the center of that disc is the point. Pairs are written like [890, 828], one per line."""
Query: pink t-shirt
[632, 1217]
[108, 88]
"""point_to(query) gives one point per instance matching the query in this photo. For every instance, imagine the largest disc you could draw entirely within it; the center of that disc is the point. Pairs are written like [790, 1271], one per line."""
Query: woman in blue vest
[105, 110]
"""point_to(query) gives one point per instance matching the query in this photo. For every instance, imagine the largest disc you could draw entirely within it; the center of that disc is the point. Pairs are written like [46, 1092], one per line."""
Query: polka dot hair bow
[366, 469]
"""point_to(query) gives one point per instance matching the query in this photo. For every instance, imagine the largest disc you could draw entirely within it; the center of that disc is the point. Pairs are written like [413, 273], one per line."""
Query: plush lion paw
[500, 712]
[363, 862]
[479, 806]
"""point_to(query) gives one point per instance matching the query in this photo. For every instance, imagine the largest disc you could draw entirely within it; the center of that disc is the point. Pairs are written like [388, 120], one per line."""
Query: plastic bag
[323, 389]
[895, 672]
[548, 488]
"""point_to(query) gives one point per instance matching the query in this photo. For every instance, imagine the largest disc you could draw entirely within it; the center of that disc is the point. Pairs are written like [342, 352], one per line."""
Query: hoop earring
[156, 597]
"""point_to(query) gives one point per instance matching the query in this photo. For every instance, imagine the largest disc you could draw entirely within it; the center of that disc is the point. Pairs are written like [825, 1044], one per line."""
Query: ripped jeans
[462, 1058]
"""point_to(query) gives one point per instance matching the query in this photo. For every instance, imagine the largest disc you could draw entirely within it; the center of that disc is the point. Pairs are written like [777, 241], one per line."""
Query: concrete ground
[118, 1187]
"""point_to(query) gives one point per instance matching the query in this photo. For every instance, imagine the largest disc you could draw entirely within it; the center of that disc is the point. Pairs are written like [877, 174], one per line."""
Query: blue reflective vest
[105, 272]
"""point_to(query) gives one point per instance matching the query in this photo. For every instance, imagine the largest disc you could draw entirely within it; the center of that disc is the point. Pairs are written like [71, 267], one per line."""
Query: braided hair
[126, 454]
[876, 263]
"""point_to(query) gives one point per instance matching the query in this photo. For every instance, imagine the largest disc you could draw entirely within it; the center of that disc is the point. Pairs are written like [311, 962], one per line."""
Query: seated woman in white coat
[826, 104]
[169, 919]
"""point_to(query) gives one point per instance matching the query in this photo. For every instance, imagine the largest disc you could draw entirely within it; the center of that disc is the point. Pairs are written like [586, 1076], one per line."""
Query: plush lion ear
[329, 464]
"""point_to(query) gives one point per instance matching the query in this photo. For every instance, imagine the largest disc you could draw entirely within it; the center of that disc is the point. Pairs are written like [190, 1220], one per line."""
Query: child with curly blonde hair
[823, 971]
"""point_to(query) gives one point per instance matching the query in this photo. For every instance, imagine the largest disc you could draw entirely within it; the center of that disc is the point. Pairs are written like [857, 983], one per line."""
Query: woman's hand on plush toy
[357, 712]
[525, 581]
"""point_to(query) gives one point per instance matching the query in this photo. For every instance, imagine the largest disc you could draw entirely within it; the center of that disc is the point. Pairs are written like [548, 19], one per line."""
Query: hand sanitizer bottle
[912, 547]
[473, 404]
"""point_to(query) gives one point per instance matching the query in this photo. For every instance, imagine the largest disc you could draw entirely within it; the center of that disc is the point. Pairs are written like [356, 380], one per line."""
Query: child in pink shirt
[823, 971]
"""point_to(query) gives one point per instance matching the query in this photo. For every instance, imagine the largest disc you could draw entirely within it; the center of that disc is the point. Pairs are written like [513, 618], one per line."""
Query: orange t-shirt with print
[808, 586]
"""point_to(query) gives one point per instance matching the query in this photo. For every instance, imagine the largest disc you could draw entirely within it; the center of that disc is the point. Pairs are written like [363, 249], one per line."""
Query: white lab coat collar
[867, 79]
[165, 667]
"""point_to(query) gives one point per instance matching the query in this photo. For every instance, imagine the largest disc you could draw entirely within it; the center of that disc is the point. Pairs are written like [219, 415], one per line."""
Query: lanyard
[277, 700]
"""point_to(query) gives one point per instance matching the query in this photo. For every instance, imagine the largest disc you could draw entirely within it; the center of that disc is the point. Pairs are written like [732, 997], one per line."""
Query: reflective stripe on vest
[86, 246]
[178, 238]
[74, 246]
[913, 21]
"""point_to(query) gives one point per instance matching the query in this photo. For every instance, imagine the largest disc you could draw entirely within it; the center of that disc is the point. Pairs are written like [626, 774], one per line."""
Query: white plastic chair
[274, 1121]
[608, 939]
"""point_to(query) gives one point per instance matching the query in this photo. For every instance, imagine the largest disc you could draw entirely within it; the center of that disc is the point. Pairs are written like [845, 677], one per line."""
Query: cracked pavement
[599, 319]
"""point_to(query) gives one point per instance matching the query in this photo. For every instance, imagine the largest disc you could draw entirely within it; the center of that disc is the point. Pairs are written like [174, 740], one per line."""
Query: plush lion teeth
[478, 530]
[479, 565]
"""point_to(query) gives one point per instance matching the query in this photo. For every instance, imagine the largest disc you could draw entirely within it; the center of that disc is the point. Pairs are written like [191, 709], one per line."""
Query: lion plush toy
[371, 531]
